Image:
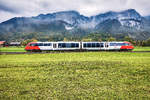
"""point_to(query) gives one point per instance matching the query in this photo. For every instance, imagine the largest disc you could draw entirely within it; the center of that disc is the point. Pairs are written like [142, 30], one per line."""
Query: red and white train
[79, 46]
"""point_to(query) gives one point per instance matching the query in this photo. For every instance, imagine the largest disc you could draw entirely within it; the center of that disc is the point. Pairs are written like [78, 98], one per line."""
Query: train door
[41, 46]
[54, 46]
[106, 45]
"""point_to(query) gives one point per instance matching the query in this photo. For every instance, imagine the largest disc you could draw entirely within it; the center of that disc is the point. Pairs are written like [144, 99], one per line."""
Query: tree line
[89, 38]
[25, 38]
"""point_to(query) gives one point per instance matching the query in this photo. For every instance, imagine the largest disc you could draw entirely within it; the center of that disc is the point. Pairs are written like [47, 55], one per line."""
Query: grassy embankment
[88, 75]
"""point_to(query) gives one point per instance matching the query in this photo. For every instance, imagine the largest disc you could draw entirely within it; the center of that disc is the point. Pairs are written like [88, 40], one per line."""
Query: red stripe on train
[127, 47]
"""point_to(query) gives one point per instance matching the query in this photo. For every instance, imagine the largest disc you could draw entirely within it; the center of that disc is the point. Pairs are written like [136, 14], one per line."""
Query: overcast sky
[19, 8]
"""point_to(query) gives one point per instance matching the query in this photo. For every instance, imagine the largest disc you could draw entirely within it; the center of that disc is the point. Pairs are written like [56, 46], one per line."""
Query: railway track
[6, 53]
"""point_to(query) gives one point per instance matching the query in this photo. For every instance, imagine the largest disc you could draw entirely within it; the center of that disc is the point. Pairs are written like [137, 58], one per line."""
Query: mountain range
[128, 22]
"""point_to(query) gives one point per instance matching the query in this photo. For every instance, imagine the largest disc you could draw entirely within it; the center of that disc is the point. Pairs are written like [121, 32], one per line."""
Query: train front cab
[32, 46]
[39, 46]
[120, 46]
[127, 46]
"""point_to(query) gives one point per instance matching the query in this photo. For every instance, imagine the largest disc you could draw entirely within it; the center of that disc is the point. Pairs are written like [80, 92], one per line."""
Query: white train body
[85, 46]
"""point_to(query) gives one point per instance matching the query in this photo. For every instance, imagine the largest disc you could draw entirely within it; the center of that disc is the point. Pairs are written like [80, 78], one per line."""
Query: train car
[51, 46]
[117, 46]
[82, 46]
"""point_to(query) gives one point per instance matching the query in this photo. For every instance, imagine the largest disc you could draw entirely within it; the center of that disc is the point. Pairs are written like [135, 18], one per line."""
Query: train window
[59, 45]
[77, 44]
[33, 44]
[40, 44]
[47, 44]
[97, 44]
[121, 44]
[93, 44]
[68, 45]
[89, 45]
[74, 45]
[84, 45]
[101, 44]
[112, 44]
[63, 45]
[118, 44]
[126, 44]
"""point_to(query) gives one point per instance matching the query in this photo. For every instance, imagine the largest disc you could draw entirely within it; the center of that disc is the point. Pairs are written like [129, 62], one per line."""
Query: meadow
[75, 76]
[12, 49]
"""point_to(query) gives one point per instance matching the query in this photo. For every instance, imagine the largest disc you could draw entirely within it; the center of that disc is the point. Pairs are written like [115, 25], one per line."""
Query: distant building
[2, 43]
[15, 44]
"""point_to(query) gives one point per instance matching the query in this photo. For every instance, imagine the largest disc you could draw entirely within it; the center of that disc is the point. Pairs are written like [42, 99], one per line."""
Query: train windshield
[33, 44]
[123, 44]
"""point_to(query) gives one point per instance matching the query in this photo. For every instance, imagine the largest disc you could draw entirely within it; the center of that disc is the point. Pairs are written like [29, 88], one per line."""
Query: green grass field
[141, 49]
[12, 49]
[75, 76]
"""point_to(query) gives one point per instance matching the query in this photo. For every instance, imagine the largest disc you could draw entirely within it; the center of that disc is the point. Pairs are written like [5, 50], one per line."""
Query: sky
[28, 8]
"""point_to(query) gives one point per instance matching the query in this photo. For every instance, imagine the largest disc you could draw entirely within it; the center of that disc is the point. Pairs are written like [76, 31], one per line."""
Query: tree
[148, 42]
[111, 39]
[92, 37]
[129, 39]
[86, 39]
[65, 39]
[24, 43]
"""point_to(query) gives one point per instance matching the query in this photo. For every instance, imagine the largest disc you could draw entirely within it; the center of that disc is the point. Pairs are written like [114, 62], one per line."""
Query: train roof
[83, 42]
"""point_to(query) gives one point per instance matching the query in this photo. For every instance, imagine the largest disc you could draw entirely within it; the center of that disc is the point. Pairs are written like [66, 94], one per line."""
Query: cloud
[11, 8]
